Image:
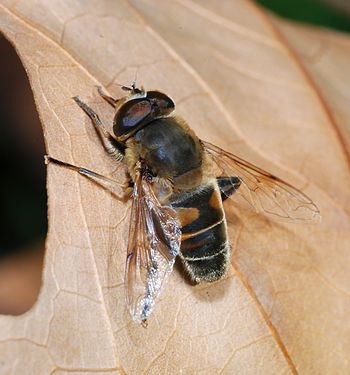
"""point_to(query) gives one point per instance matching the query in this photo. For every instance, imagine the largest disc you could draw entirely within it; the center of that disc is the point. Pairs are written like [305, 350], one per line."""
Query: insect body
[185, 182]
[179, 185]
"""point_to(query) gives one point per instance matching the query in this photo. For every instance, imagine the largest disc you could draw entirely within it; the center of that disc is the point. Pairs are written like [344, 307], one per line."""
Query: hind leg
[110, 183]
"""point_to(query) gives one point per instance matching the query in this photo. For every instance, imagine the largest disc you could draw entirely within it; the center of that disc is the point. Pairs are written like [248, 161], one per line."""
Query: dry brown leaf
[273, 93]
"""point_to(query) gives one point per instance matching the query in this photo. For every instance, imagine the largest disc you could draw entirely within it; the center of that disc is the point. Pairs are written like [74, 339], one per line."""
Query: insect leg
[107, 98]
[228, 185]
[112, 146]
[87, 172]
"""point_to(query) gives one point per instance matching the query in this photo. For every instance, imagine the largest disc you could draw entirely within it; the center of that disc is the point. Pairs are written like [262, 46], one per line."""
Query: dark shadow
[23, 210]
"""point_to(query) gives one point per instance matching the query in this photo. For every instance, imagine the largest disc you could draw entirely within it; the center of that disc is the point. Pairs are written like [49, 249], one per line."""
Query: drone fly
[179, 183]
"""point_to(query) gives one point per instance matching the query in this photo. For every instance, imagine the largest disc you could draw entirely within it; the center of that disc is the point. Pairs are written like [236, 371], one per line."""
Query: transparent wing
[154, 242]
[261, 190]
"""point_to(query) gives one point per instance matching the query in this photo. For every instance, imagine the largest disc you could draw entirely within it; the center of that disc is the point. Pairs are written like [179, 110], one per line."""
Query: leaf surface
[273, 93]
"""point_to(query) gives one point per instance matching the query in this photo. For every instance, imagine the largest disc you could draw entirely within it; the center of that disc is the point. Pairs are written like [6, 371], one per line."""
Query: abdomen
[205, 251]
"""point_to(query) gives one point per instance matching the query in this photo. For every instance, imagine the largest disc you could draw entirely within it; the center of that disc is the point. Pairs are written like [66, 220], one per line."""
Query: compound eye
[130, 115]
[161, 101]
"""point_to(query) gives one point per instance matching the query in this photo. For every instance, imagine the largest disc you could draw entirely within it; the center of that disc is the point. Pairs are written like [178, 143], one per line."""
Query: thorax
[173, 153]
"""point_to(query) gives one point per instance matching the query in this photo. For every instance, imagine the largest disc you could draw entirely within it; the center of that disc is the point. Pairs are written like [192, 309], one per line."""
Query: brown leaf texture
[273, 93]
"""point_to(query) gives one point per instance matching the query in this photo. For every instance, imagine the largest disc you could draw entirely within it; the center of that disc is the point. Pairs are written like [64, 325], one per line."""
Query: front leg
[113, 102]
[111, 145]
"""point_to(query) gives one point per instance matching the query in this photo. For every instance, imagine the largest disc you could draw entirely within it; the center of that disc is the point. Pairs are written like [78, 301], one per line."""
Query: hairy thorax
[173, 153]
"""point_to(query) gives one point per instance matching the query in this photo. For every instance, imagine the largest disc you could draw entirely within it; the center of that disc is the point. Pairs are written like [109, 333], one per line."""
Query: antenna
[132, 87]
[133, 83]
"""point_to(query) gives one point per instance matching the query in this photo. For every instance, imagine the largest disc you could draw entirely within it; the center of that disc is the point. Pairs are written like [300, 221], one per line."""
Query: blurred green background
[332, 14]
[22, 190]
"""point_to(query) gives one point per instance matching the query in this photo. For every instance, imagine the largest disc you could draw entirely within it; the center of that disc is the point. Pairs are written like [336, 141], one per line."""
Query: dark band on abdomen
[204, 248]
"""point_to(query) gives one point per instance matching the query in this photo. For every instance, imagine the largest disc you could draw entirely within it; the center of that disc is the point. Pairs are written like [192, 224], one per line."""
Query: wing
[154, 242]
[261, 190]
